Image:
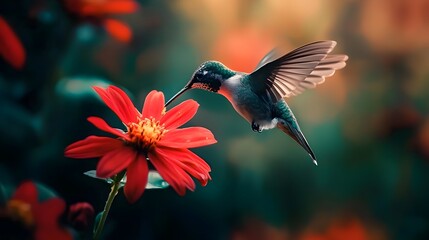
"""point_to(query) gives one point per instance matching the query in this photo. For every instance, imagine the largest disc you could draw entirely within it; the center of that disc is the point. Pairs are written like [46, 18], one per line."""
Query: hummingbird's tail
[291, 128]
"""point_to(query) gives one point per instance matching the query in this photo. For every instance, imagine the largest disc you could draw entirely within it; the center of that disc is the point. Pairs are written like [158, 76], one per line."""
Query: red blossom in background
[11, 48]
[118, 30]
[81, 215]
[151, 134]
[40, 218]
[102, 10]
[340, 229]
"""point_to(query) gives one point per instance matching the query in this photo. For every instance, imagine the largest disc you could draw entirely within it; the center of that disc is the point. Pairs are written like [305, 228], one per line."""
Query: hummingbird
[259, 96]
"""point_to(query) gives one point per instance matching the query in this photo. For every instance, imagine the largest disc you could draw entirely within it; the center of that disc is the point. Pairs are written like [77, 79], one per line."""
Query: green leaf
[97, 220]
[45, 192]
[155, 181]
[93, 174]
[4, 193]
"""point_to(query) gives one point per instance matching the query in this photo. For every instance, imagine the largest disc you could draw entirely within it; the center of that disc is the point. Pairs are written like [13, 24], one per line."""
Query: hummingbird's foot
[256, 127]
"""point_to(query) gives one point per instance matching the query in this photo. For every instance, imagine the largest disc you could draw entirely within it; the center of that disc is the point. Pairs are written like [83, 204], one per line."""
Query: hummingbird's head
[209, 76]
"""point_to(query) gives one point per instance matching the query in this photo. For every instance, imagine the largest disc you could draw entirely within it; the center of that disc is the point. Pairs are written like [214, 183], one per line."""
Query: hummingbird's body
[259, 96]
[258, 110]
[248, 104]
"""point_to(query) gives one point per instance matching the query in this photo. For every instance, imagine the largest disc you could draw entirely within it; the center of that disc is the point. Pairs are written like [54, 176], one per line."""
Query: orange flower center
[146, 133]
[21, 211]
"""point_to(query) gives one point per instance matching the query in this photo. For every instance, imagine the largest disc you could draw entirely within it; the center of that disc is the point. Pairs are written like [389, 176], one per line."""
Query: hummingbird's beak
[186, 88]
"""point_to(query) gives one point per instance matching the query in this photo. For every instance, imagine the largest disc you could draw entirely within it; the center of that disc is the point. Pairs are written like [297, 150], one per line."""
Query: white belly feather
[245, 104]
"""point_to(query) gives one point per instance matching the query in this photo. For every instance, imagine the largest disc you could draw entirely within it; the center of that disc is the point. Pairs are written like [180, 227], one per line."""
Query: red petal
[26, 192]
[106, 8]
[176, 177]
[153, 105]
[189, 162]
[186, 156]
[91, 147]
[47, 220]
[48, 212]
[119, 102]
[124, 103]
[137, 175]
[118, 30]
[52, 234]
[10, 46]
[180, 114]
[102, 125]
[115, 161]
[118, 7]
[187, 138]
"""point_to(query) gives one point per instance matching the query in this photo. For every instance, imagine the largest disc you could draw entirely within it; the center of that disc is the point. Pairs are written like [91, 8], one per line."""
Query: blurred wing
[271, 56]
[300, 69]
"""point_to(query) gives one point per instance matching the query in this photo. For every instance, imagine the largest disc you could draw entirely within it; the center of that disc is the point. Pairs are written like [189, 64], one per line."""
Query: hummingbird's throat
[146, 133]
[204, 86]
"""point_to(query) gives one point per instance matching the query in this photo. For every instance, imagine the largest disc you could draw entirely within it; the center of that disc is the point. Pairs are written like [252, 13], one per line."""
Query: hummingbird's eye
[198, 75]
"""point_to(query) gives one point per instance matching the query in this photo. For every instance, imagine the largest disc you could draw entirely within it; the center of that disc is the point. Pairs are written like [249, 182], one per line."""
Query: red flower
[39, 218]
[339, 229]
[118, 30]
[11, 48]
[81, 215]
[151, 134]
[101, 10]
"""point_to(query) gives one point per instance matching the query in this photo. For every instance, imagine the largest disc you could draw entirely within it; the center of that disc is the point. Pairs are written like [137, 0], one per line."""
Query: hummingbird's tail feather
[297, 135]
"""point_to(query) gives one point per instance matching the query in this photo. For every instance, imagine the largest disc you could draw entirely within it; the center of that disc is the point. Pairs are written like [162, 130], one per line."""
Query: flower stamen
[146, 133]
[21, 211]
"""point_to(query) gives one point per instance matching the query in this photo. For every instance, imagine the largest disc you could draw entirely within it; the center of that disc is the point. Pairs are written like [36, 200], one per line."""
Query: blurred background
[368, 124]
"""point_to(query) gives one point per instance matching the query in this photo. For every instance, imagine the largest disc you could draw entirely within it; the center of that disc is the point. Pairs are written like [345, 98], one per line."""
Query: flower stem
[113, 191]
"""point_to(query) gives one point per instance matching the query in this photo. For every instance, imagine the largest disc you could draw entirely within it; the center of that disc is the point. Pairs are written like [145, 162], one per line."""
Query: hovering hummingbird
[259, 97]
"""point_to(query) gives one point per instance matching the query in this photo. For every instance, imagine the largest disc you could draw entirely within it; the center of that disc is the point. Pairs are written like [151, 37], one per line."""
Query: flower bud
[81, 215]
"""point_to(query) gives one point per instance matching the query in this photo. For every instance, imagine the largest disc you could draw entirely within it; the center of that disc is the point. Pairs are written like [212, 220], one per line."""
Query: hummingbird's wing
[300, 69]
[269, 57]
